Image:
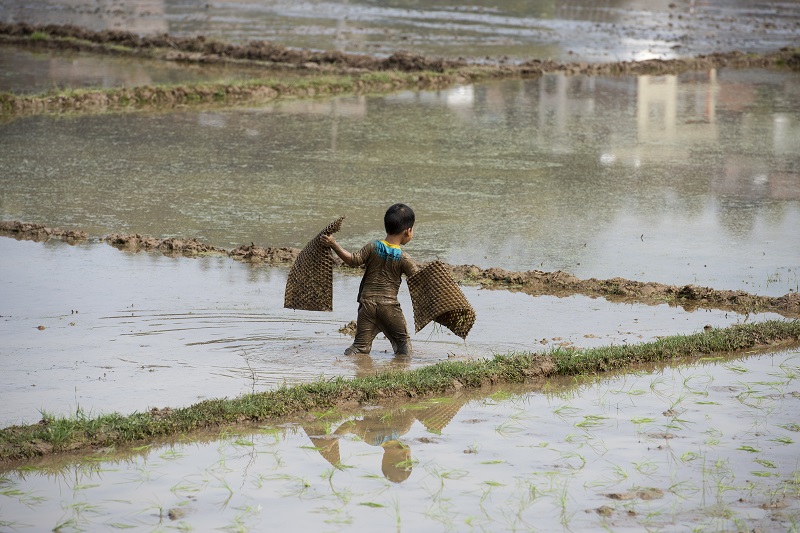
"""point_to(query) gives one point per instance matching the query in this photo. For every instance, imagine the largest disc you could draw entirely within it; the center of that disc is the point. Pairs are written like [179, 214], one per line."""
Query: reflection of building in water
[658, 117]
[350, 107]
[88, 72]
[561, 99]
[385, 429]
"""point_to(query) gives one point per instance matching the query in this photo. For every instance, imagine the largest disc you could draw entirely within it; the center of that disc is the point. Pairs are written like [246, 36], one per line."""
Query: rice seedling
[172, 454]
[684, 490]
[690, 456]
[566, 411]
[714, 436]
[343, 495]
[613, 476]
[591, 421]
[26, 498]
[733, 367]
[440, 476]
[443, 512]
[298, 485]
[647, 467]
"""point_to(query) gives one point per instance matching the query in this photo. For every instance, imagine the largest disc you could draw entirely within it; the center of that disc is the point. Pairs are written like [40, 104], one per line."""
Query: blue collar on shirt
[390, 252]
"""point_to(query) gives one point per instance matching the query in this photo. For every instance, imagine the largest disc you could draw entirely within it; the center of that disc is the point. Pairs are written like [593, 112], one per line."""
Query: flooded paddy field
[689, 178]
[674, 179]
[94, 329]
[587, 30]
[705, 446]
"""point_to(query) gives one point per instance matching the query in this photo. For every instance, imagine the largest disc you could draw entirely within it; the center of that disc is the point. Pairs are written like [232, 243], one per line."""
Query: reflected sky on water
[677, 179]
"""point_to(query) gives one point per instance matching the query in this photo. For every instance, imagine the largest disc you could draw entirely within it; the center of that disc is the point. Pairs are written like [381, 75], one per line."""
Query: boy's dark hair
[398, 218]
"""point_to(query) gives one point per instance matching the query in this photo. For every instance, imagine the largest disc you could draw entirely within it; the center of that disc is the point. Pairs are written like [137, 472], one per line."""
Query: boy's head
[399, 219]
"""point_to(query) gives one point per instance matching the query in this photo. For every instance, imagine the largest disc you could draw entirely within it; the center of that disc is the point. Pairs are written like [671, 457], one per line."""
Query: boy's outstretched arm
[343, 254]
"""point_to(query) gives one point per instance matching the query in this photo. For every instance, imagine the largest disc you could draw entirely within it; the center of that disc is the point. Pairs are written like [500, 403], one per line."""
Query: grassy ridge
[58, 434]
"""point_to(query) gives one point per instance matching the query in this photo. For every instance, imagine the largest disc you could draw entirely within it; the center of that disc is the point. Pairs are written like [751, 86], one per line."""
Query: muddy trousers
[380, 316]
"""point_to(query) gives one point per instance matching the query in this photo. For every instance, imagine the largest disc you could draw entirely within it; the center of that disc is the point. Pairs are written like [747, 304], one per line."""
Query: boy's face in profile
[407, 236]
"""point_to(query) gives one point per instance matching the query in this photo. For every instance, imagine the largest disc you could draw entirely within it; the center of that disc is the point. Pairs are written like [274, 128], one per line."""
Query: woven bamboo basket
[310, 282]
[435, 296]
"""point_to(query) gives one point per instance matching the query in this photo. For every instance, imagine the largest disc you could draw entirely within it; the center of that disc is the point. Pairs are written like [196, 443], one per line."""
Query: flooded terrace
[679, 179]
[688, 178]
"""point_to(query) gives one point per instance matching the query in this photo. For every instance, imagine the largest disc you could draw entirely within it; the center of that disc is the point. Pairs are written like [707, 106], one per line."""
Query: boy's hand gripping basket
[310, 282]
[436, 296]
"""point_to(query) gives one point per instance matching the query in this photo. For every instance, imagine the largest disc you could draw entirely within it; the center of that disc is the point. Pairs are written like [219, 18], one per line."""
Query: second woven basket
[435, 296]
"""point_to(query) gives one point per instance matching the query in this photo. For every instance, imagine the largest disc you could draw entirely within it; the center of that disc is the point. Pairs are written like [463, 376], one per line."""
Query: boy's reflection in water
[384, 428]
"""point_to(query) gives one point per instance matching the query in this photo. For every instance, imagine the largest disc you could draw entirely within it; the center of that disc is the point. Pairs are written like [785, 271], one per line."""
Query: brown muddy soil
[202, 50]
[199, 49]
[690, 297]
[402, 69]
[39, 232]
[533, 282]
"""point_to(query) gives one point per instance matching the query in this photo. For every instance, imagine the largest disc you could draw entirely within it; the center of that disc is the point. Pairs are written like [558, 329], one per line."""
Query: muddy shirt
[385, 265]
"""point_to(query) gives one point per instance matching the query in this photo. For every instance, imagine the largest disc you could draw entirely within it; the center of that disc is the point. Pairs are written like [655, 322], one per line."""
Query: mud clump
[250, 253]
[690, 297]
[40, 232]
[169, 246]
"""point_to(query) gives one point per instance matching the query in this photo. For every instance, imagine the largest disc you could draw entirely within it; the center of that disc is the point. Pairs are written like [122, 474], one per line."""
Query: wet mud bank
[335, 72]
[690, 297]
[533, 282]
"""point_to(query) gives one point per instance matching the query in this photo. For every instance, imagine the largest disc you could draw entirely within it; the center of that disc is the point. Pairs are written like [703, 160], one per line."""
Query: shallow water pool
[95, 329]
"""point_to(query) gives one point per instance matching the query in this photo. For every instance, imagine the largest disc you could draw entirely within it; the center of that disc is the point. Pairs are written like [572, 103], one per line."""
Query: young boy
[378, 308]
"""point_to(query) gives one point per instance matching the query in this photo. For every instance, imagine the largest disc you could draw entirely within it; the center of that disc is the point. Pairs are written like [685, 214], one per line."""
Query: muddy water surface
[26, 72]
[707, 446]
[675, 179]
[95, 329]
[589, 30]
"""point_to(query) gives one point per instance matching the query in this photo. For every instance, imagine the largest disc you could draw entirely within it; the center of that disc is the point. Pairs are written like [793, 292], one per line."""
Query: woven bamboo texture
[310, 282]
[435, 296]
[436, 417]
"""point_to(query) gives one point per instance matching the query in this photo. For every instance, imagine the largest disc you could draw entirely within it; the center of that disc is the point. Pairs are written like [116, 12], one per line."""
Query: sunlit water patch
[709, 446]
[95, 329]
